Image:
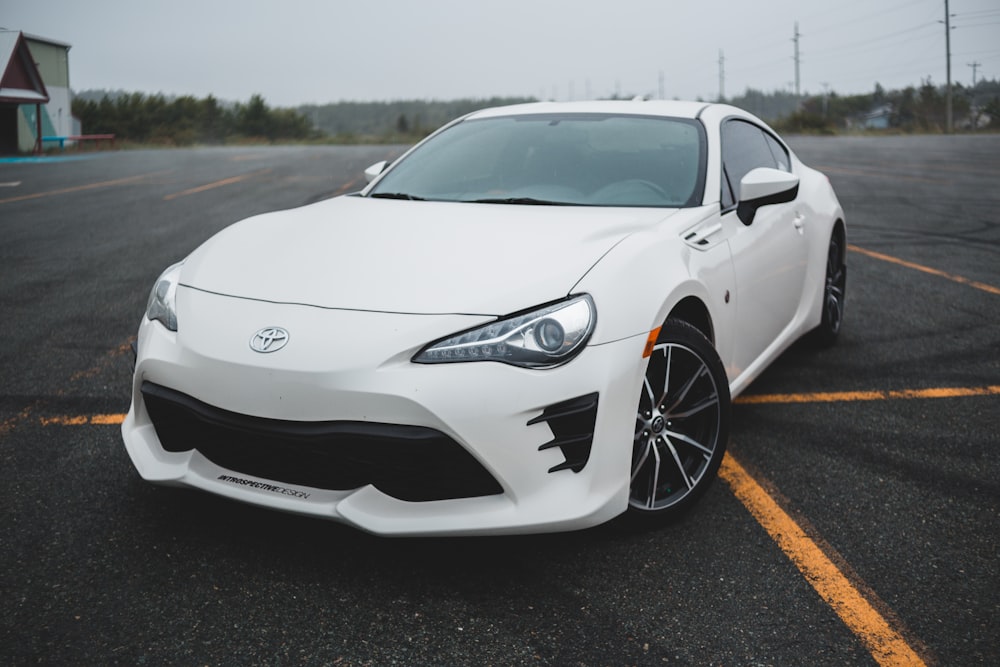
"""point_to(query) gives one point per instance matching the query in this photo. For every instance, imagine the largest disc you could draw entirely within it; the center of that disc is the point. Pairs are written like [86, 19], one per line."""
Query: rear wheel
[682, 424]
[834, 293]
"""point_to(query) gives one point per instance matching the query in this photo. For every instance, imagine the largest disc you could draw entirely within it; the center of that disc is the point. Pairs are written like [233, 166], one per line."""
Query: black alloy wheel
[682, 424]
[834, 294]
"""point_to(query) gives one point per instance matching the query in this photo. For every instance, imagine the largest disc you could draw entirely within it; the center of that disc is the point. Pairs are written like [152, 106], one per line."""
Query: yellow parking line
[887, 646]
[216, 184]
[82, 420]
[347, 186]
[926, 269]
[846, 396]
[80, 188]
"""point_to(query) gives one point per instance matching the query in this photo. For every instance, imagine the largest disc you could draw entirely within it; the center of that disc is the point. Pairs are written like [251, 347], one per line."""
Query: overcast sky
[316, 51]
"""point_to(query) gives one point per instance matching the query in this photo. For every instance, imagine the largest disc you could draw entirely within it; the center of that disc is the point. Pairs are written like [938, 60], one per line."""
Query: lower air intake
[410, 463]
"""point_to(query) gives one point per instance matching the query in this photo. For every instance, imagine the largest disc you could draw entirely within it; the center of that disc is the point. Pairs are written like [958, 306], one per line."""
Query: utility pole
[973, 107]
[947, 51]
[974, 67]
[722, 76]
[663, 91]
[795, 39]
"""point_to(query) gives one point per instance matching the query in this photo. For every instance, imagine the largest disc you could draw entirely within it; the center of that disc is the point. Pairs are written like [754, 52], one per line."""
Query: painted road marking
[82, 420]
[886, 644]
[347, 186]
[925, 269]
[846, 396]
[80, 188]
[113, 356]
[216, 184]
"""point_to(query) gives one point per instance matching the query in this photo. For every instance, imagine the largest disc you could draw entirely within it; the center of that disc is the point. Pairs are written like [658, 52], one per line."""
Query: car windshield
[557, 159]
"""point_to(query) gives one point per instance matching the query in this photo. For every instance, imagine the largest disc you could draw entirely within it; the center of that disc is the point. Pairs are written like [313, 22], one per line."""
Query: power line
[865, 17]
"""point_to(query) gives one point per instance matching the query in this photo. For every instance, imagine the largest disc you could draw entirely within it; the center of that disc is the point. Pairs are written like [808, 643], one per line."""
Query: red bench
[97, 138]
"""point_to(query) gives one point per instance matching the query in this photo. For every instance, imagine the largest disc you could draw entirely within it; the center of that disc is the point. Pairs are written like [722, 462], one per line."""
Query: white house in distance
[34, 91]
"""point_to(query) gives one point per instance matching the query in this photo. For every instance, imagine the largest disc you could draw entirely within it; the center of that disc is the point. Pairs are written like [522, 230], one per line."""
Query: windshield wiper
[396, 195]
[531, 201]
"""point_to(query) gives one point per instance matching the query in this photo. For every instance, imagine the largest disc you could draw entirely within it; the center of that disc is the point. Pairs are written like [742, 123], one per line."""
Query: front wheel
[682, 424]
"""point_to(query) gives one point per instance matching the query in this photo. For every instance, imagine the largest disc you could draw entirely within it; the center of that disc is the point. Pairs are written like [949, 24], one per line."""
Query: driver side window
[744, 147]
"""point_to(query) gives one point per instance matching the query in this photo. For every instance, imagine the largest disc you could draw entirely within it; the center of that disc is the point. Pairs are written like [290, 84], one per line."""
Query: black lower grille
[406, 462]
[572, 423]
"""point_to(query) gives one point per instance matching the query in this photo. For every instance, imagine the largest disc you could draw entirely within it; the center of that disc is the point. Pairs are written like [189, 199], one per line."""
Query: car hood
[412, 257]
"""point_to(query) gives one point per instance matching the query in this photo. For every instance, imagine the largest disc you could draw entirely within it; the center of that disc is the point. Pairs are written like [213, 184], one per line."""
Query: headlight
[541, 338]
[160, 306]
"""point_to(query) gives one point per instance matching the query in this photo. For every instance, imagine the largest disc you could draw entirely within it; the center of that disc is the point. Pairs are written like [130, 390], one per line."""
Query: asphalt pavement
[881, 449]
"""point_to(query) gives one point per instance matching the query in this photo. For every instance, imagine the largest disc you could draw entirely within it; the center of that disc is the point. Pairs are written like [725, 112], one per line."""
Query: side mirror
[763, 186]
[372, 172]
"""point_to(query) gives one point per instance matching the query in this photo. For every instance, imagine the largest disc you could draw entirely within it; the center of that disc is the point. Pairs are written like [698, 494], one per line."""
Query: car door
[769, 255]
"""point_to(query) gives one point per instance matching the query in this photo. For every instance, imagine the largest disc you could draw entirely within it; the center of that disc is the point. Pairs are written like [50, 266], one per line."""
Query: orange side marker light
[651, 342]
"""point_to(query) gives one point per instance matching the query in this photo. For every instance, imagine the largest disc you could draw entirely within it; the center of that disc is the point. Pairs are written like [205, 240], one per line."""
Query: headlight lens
[160, 306]
[542, 338]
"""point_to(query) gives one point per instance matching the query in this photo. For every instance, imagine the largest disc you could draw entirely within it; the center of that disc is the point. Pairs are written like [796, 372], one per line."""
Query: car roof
[638, 107]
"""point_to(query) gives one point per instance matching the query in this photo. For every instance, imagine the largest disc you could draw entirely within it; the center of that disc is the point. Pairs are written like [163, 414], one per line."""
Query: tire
[682, 425]
[834, 294]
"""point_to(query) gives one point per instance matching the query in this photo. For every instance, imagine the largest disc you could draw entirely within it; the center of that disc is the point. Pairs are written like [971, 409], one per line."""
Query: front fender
[638, 283]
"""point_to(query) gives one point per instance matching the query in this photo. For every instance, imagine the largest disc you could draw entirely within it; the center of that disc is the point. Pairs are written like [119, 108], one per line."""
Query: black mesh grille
[406, 462]
[572, 423]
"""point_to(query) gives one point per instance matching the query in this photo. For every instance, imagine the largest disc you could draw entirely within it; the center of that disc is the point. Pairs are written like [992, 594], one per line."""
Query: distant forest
[184, 121]
[921, 109]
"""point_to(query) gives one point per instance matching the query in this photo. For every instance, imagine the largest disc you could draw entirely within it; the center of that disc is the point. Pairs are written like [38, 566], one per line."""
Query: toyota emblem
[269, 339]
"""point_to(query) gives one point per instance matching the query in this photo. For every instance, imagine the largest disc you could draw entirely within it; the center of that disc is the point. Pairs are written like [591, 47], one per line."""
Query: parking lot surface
[857, 519]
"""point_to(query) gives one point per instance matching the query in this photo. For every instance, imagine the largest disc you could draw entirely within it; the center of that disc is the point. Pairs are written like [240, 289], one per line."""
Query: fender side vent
[572, 424]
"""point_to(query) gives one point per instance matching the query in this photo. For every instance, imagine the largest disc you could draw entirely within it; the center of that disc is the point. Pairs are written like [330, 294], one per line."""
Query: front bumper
[513, 424]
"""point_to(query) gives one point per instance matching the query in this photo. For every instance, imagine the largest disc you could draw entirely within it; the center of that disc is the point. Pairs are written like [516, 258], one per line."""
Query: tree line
[186, 120]
[920, 109]
[397, 122]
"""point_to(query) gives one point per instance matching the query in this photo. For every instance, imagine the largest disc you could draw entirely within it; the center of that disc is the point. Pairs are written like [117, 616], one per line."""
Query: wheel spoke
[655, 480]
[706, 403]
[649, 391]
[641, 462]
[702, 369]
[691, 441]
[666, 375]
[680, 466]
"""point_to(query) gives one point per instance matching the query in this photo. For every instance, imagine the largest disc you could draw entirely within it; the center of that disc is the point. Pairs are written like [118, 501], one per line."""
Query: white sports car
[532, 321]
